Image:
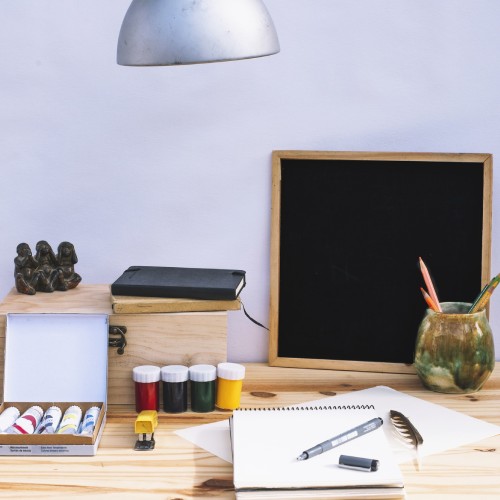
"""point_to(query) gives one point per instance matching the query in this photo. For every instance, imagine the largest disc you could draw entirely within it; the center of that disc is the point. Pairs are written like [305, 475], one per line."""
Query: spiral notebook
[267, 441]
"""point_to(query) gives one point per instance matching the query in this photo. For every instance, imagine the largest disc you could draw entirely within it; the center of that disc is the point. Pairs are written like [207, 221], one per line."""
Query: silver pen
[358, 431]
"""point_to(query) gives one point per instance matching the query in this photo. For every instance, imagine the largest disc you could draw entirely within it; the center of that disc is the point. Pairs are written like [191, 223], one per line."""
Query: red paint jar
[147, 387]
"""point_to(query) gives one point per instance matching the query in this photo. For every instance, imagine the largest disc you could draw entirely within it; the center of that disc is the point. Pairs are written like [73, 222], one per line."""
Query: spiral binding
[309, 408]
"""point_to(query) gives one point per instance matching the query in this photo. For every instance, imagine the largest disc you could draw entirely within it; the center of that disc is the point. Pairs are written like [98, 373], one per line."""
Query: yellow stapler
[145, 425]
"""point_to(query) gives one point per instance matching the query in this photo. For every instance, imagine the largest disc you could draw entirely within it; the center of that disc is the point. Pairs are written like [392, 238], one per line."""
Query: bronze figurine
[66, 259]
[45, 272]
[25, 270]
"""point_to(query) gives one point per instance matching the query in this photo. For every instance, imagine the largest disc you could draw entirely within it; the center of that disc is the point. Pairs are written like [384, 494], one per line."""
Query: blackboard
[347, 233]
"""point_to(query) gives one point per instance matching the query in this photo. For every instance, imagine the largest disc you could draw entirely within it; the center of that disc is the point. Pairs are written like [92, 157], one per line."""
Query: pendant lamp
[171, 32]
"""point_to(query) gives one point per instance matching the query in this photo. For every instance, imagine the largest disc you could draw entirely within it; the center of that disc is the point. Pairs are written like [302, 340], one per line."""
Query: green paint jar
[202, 384]
[454, 351]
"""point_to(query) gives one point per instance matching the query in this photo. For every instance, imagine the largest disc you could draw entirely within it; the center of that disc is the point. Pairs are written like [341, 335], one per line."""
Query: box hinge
[117, 338]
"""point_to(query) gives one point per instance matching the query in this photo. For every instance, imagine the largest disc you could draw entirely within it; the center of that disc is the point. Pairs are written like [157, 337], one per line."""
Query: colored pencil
[429, 300]
[478, 298]
[430, 286]
[485, 295]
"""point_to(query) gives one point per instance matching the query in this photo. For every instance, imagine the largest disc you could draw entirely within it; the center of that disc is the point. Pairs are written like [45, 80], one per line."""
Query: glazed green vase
[454, 351]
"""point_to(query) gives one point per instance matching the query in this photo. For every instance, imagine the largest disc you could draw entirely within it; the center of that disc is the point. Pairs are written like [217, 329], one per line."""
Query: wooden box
[157, 338]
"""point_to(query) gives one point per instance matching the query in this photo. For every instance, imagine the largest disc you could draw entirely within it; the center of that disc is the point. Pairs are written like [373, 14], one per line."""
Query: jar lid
[74, 410]
[174, 373]
[146, 373]
[53, 409]
[8, 417]
[231, 371]
[10, 412]
[35, 408]
[202, 373]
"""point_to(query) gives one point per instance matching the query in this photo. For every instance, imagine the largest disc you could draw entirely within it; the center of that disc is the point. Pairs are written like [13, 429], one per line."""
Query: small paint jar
[147, 387]
[202, 384]
[27, 422]
[70, 420]
[90, 420]
[8, 417]
[50, 421]
[229, 383]
[175, 388]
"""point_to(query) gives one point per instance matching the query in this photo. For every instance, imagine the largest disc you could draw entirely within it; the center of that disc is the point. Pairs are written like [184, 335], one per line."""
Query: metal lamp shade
[170, 32]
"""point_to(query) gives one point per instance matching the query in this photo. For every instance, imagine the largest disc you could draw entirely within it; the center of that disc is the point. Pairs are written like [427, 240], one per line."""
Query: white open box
[55, 359]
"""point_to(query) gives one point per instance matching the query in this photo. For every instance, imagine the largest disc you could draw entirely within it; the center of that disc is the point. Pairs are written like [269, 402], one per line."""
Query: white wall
[171, 166]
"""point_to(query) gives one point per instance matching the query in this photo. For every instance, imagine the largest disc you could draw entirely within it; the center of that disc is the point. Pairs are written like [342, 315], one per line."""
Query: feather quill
[407, 431]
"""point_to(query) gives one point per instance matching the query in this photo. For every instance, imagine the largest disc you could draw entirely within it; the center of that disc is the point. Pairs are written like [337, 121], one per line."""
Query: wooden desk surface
[177, 469]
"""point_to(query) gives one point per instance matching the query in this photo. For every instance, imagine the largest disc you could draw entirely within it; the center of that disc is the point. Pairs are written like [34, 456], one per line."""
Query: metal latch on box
[117, 338]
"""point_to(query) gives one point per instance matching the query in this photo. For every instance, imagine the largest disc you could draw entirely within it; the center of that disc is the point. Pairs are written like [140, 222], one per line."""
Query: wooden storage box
[152, 338]
[55, 359]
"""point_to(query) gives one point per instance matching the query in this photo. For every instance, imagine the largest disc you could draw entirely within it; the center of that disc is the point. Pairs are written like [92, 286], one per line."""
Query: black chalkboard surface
[347, 232]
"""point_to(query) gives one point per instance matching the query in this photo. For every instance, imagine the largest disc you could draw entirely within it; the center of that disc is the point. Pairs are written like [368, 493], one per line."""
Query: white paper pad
[440, 427]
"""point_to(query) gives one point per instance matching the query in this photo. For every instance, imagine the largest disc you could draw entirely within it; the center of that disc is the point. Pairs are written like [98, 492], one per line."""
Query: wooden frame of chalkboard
[347, 231]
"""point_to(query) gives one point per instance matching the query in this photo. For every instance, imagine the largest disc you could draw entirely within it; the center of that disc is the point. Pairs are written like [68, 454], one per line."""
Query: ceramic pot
[454, 351]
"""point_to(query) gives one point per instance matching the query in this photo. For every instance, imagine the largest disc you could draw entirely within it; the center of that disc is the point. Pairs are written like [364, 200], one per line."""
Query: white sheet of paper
[213, 437]
[267, 444]
[441, 428]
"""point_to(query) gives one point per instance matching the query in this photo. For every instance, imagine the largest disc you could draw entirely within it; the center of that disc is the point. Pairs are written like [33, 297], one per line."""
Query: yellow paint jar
[229, 383]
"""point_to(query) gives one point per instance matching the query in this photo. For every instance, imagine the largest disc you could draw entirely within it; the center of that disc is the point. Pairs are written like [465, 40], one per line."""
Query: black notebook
[267, 441]
[180, 282]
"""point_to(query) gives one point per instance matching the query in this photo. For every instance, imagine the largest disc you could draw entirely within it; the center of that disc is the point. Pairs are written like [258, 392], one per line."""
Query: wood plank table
[177, 469]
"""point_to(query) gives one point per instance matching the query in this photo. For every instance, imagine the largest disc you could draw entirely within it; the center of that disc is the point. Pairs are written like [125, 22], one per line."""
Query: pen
[358, 431]
[484, 296]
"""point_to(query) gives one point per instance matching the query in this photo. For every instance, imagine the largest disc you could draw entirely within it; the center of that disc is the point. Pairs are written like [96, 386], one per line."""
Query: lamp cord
[250, 317]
